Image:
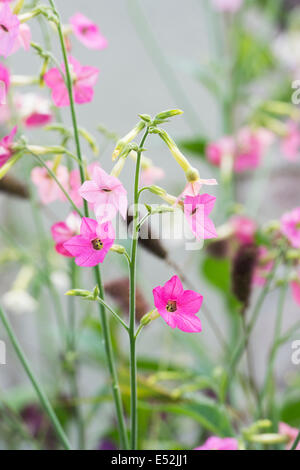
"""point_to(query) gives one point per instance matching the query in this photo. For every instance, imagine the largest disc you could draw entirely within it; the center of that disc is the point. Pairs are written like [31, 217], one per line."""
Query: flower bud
[192, 174]
[118, 249]
[127, 139]
[79, 293]
[157, 190]
[177, 154]
[149, 317]
[160, 117]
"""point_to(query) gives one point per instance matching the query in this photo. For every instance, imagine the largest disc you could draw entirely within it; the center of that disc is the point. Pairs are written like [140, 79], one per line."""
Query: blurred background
[160, 55]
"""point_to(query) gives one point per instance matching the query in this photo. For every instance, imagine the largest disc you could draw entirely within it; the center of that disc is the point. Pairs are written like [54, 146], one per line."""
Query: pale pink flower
[219, 443]
[84, 79]
[93, 243]
[9, 30]
[227, 5]
[295, 286]
[244, 228]
[23, 39]
[197, 210]
[64, 231]
[74, 184]
[87, 32]
[193, 187]
[34, 110]
[263, 267]
[216, 150]
[4, 84]
[106, 193]
[291, 433]
[6, 150]
[290, 144]
[150, 175]
[47, 187]
[290, 227]
[178, 307]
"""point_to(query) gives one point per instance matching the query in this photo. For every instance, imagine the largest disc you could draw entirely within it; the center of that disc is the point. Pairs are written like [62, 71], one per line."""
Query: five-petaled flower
[84, 79]
[87, 32]
[92, 245]
[290, 227]
[177, 306]
[197, 210]
[106, 193]
[6, 150]
[9, 30]
[64, 231]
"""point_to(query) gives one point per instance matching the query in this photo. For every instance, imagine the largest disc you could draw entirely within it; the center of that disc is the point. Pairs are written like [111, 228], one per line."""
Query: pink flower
[263, 268]
[106, 193]
[246, 149]
[87, 32]
[34, 110]
[295, 286]
[6, 146]
[84, 79]
[290, 144]
[9, 30]
[64, 231]
[290, 227]
[244, 228]
[218, 443]
[4, 83]
[178, 307]
[292, 433]
[193, 187]
[48, 189]
[150, 175]
[93, 243]
[227, 5]
[197, 210]
[23, 39]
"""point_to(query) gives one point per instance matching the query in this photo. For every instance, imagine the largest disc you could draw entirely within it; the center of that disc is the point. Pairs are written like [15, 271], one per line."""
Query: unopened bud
[149, 317]
[78, 293]
[118, 249]
[127, 139]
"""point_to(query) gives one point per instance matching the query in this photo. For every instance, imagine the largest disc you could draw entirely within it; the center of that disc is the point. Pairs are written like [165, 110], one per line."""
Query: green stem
[117, 317]
[297, 440]
[41, 394]
[105, 327]
[132, 268]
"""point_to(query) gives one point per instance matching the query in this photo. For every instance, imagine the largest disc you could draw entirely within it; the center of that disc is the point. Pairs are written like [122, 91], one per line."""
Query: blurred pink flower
[290, 227]
[178, 307]
[193, 187]
[290, 144]
[9, 30]
[34, 110]
[6, 146]
[87, 32]
[4, 84]
[218, 443]
[197, 210]
[84, 79]
[292, 433]
[246, 149]
[64, 231]
[106, 193]
[23, 39]
[93, 243]
[150, 175]
[295, 286]
[227, 5]
[263, 267]
[48, 189]
[244, 228]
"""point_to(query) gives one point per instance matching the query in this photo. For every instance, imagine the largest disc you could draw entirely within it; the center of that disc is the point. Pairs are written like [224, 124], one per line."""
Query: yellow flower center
[97, 244]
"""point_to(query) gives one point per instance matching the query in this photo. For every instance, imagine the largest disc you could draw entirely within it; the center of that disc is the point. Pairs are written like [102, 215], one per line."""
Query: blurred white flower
[286, 48]
[60, 280]
[19, 301]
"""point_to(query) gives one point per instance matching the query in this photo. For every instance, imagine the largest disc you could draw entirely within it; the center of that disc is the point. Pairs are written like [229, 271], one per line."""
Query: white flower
[19, 301]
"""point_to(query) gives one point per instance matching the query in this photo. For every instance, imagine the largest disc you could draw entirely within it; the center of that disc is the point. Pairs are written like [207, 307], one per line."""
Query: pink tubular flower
[178, 307]
[9, 30]
[6, 146]
[84, 79]
[290, 144]
[218, 443]
[4, 83]
[263, 268]
[197, 210]
[106, 193]
[87, 32]
[48, 189]
[151, 174]
[227, 5]
[93, 243]
[64, 231]
[290, 227]
[244, 228]
[292, 433]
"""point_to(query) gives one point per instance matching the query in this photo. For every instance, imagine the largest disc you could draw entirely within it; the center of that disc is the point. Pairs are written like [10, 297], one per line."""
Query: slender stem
[41, 394]
[117, 317]
[297, 440]
[105, 326]
[132, 337]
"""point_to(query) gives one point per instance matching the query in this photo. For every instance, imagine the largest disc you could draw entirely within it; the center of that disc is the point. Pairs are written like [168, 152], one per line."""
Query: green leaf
[290, 413]
[195, 145]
